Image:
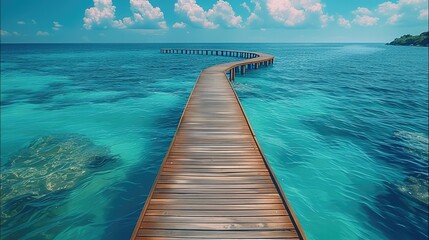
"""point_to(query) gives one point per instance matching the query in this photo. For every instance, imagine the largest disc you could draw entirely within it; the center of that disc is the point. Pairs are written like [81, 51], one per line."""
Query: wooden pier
[215, 182]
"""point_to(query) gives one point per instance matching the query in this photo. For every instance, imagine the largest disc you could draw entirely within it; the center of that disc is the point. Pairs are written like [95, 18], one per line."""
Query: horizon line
[192, 42]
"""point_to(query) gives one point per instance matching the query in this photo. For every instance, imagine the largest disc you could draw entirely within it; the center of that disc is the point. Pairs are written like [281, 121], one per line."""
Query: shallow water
[343, 126]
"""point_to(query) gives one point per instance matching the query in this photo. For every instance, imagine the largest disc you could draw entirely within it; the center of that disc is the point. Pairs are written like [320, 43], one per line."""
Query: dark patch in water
[123, 218]
[128, 204]
[331, 128]
[400, 150]
[397, 217]
[415, 188]
[99, 161]
[42, 175]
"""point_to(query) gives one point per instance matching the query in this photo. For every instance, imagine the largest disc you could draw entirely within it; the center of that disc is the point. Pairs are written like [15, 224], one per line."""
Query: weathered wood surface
[215, 182]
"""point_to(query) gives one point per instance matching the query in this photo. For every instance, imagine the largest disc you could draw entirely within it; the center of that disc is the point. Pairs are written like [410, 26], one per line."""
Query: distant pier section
[215, 182]
[255, 59]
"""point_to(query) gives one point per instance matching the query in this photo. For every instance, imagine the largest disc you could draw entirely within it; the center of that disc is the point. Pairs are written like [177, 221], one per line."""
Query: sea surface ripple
[344, 126]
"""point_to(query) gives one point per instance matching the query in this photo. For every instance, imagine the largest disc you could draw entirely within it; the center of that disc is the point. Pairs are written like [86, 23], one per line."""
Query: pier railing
[254, 60]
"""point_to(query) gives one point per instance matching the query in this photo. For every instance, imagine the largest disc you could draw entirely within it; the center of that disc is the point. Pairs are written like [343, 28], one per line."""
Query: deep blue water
[344, 126]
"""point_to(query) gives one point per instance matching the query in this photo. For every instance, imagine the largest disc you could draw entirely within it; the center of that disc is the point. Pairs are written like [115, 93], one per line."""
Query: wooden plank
[217, 156]
[214, 182]
[209, 145]
[211, 181]
[221, 213]
[215, 166]
[282, 234]
[218, 191]
[214, 153]
[196, 219]
[216, 186]
[181, 238]
[217, 201]
[218, 226]
[188, 161]
[215, 179]
[209, 160]
[209, 170]
[206, 207]
[202, 197]
[221, 174]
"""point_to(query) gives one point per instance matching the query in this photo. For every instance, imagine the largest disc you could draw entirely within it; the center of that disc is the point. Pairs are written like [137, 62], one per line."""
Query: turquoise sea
[84, 129]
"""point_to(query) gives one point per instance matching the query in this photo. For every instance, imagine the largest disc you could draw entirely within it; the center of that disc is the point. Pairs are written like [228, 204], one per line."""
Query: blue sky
[211, 20]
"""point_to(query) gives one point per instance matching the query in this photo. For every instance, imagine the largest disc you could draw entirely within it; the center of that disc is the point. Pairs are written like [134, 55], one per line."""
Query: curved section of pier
[254, 60]
[215, 182]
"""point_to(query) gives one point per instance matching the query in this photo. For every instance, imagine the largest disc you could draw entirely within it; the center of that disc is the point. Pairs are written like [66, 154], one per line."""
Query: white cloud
[144, 15]
[179, 25]
[362, 11]
[101, 15]
[411, 2]
[41, 33]
[33, 21]
[20, 22]
[124, 23]
[253, 17]
[147, 16]
[324, 19]
[294, 12]
[363, 17]
[394, 18]
[146, 10]
[257, 5]
[220, 14]
[285, 12]
[365, 20]
[388, 8]
[244, 4]
[423, 14]
[195, 13]
[313, 7]
[415, 7]
[344, 22]
[162, 25]
[223, 13]
[4, 33]
[57, 26]
[394, 11]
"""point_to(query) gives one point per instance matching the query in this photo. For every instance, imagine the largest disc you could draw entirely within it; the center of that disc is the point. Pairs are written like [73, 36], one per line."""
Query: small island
[421, 40]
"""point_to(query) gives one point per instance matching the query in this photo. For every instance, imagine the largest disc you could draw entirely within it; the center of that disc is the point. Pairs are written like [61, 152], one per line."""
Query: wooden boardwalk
[215, 182]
